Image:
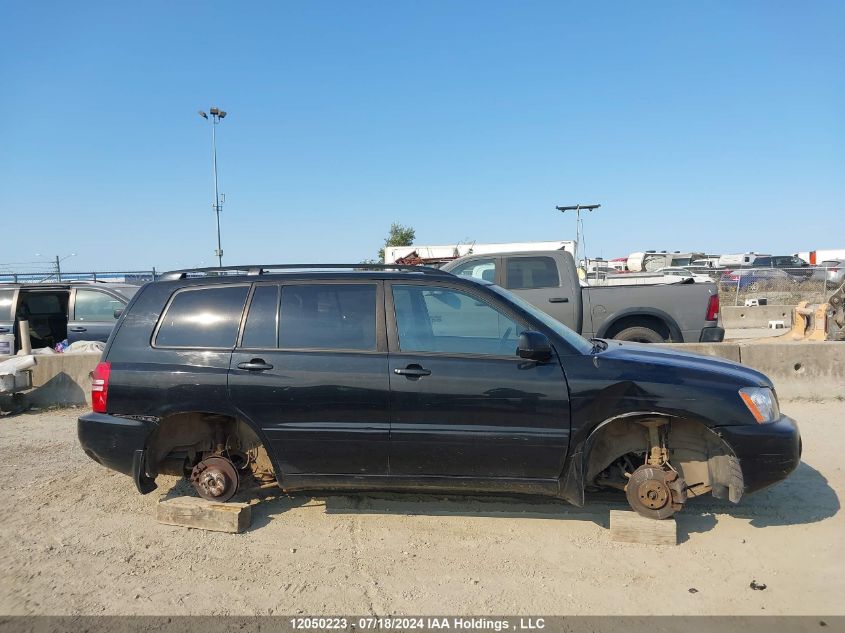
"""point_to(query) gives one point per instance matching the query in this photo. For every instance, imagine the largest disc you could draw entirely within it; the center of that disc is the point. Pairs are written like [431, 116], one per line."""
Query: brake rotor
[215, 478]
[654, 492]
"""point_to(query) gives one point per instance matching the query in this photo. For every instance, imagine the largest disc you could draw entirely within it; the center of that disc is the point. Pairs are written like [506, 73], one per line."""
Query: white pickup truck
[657, 313]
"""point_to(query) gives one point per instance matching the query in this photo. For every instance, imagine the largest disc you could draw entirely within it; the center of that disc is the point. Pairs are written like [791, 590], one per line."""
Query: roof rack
[265, 269]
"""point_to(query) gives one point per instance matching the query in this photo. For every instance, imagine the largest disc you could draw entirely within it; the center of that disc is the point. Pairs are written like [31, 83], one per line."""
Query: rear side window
[6, 297]
[328, 316]
[261, 320]
[203, 317]
[532, 272]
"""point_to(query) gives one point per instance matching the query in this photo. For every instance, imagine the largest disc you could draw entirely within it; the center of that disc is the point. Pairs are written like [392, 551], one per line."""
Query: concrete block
[799, 369]
[199, 513]
[630, 527]
[733, 317]
[728, 351]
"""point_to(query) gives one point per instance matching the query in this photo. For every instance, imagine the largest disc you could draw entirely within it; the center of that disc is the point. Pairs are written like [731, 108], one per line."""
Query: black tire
[639, 334]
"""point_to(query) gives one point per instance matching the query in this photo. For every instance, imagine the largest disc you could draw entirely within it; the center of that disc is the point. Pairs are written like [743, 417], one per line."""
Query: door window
[203, 317]
[261, 321]
[478, 269]
[328, 316]
[93, 305]
[532, 272]
[432, 319]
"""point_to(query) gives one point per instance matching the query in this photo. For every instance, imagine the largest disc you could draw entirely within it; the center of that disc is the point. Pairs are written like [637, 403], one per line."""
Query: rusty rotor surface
[655, 492]
[215, 478]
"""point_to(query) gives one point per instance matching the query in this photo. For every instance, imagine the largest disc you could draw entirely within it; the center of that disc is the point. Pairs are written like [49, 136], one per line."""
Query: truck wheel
[639, 335]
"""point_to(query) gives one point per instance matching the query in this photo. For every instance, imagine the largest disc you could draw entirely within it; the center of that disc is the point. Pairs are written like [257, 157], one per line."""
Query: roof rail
[266, 269]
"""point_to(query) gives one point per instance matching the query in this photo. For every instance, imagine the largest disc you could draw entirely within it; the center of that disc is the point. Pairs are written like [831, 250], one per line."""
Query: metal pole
[219, 253]
[58, 268]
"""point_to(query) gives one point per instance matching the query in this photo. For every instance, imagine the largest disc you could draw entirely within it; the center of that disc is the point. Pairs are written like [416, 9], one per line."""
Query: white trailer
[453, 251]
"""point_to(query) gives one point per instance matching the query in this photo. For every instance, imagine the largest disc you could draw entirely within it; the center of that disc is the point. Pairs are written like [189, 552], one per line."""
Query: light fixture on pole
[579, 227]
[216, 116]
[57, 262]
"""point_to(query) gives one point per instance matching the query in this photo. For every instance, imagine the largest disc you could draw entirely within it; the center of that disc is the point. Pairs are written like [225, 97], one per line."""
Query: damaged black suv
[409, 378]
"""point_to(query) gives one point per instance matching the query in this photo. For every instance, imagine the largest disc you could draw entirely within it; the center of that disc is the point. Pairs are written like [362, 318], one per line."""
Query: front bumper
[118, 443]
[712, 334]
[767, 453]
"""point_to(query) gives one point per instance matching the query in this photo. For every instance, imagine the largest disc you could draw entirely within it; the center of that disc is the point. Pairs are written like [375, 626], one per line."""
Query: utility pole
[579, 228]
[216, 116]
[58, 268]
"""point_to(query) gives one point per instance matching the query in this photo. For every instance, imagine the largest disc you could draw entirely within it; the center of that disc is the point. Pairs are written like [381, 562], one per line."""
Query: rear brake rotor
[215, 478]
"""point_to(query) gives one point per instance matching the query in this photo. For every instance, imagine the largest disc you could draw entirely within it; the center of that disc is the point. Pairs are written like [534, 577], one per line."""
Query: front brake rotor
[215, 478]
[654, 492]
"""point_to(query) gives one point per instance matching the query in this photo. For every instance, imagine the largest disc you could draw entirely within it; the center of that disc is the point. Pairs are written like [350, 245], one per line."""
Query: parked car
[754, 279]
[648, 313]
[76, 311]
[794, 266]
[416, 379]
[685, 273]
[831, 271]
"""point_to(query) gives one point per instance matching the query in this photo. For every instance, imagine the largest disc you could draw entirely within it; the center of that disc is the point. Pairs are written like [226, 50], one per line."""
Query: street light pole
[216, 116]
[579, 228]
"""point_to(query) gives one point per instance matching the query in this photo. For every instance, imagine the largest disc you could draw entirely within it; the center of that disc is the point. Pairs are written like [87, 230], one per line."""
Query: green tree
[399, 236]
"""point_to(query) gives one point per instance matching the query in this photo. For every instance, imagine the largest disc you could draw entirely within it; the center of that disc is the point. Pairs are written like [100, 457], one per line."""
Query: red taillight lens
[100, 387]
[713, 308]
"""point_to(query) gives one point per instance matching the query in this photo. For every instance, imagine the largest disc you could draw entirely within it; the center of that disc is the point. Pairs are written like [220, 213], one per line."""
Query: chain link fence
[777, 286]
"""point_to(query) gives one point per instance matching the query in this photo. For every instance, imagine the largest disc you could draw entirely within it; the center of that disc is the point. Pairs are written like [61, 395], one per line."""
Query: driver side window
[432, 319]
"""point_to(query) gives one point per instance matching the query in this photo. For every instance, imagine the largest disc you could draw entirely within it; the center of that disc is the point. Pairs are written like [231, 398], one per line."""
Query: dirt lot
[78, 539]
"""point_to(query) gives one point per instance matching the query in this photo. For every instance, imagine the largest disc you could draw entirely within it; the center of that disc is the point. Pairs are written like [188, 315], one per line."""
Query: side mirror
[118, 312]
[534, 346]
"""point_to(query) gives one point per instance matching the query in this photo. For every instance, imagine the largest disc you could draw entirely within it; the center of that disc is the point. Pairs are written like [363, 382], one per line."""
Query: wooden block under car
[203, 514]
[630, 527]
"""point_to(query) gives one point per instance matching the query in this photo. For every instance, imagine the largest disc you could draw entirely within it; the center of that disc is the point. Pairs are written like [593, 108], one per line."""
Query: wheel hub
[215, 478]
[653, 494]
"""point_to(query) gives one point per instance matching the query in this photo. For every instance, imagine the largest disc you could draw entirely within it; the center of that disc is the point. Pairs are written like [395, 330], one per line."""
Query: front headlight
[762, 403]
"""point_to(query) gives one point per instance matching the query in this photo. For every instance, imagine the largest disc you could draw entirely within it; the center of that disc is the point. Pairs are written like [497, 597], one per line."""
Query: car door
[463, 404]
[535, 278]
[310, 369]
[91, 314]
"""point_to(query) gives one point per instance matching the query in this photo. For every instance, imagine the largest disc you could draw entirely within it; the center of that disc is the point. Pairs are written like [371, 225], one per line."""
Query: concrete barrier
[797, 369]
[61, 379]
[737, 317]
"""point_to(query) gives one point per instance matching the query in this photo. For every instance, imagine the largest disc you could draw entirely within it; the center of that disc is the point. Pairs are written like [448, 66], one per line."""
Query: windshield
[574, 339]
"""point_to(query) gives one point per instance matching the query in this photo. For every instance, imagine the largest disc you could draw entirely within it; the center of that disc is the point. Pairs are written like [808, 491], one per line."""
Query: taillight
[100, 386]
[712, 308]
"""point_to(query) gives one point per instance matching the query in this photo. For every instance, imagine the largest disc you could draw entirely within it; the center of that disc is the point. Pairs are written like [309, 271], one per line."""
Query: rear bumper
[767, 453]
[117, 443]
[712, 334]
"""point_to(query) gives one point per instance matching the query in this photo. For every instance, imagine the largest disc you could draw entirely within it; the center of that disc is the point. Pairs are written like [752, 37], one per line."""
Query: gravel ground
[78, 539]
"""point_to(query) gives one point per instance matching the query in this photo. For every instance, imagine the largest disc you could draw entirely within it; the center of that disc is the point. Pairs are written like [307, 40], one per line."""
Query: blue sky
[717, 126]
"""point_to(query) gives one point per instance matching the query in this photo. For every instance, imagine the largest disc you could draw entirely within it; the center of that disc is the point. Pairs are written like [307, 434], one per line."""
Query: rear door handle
[78, 329]
[558, 299]
[256, 364]
[413, 371]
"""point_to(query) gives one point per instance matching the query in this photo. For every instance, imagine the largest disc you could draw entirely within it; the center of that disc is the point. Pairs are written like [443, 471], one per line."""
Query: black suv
[396, 378]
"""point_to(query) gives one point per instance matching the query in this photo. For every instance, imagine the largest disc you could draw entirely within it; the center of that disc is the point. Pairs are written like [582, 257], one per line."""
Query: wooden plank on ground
[203, 514]
[630, 527]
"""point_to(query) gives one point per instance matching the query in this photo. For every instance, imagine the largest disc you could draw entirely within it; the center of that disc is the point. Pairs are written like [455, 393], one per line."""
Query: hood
[672, 358]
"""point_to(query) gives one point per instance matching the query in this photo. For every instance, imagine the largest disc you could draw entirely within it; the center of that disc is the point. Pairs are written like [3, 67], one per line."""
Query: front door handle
[558, 299]
[78, 329]
[256, 364]
[412, 371]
